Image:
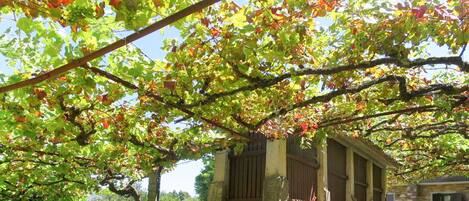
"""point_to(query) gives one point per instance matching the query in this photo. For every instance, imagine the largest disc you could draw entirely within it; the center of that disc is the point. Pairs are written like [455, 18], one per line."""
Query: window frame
[440, 192]
[393, 196]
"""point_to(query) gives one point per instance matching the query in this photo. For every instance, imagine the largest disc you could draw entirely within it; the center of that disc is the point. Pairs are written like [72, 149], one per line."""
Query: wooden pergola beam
[111, 47]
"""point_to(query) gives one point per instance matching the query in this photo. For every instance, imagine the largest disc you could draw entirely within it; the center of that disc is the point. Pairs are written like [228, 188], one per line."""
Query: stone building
[341, 169]
[454, 188]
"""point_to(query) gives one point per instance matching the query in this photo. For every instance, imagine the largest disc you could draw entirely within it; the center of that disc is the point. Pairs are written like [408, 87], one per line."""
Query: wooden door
[360, 183]
[302, 166]
[247, 171]
[336, 169]
[377, 183]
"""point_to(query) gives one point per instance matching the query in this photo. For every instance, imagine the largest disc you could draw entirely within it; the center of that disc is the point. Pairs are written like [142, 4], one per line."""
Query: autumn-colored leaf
[299, 97]
[62, 78]
[105, 123]
[120, 117]
[40, 93]
[115, 3]
[361, 105]
[4, 3]
[170, 84]
[104, 99]
[205, 21]
[215, 32]
[258, 30]
[53, 4]
[304, 127]
[38, 113]
[419, 12]
[314, 126]
[99, 10]
[157, 3]
[21, 119]
[298, 116]
[65, 2]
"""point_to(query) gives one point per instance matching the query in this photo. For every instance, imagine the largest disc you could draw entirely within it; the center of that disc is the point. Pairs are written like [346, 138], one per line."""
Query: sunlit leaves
[279, 68]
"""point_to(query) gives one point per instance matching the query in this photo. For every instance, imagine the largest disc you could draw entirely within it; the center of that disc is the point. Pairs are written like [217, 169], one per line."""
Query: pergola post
[385, 181]
[322, 171]
[219, 186]
[275, 180]
[369, 178]
[350, 185]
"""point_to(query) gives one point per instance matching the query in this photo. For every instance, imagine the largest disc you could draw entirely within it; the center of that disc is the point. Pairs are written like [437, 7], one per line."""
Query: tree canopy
[81, 110]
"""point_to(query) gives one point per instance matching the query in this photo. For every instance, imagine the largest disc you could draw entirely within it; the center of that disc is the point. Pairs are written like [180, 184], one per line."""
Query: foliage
[310, 68]
[203, 180]
[177, 196]
[105, 195]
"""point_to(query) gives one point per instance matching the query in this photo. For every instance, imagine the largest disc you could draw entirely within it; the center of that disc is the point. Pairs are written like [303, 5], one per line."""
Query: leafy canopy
[311, 68]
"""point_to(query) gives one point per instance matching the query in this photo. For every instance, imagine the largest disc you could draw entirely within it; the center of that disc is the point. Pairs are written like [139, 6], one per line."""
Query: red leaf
[105, 100]
[258, 30]
[105, 123]
[205, 21]
[115, 3]
[304, 127]
[53, 4]
[303, 84]
[100, 10]
[21, 119]
[170, 84]
[214, 32]
[120, 117]
[298, 116]
[419, 12]
[315, 126]
[65, 2]
[40, 93]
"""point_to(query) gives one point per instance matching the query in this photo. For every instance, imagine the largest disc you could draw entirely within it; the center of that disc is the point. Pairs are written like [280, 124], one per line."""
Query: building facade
[341, 169]
[455, 188]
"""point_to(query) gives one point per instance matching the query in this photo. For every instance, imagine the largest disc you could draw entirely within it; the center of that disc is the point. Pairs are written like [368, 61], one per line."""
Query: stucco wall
[424, 192]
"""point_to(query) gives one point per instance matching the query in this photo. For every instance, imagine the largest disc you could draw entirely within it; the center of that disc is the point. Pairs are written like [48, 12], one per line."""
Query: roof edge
[371, 149]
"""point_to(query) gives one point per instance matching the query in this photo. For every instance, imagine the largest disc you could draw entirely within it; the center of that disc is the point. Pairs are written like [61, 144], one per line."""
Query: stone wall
[404, 193]
[424, 192]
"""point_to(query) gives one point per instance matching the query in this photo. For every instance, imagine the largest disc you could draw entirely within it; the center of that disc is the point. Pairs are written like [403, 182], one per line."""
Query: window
[390, 197]
[447, 197]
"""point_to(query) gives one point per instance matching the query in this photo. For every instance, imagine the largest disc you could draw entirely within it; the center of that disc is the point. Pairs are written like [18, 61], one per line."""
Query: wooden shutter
[301, 170]
[359, 167]
[377, 183]
[247, 171]
[336, 169]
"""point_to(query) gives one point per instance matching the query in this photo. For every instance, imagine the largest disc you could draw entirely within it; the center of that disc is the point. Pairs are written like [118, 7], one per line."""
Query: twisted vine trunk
[154, 184]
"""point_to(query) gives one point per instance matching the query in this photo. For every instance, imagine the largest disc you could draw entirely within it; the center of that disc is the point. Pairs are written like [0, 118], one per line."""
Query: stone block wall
[405, 193]
[424, 192]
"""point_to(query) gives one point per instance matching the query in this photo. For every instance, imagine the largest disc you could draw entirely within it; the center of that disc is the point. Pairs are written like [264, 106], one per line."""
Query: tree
[310, 68]
[203, 180]
[177, 196]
